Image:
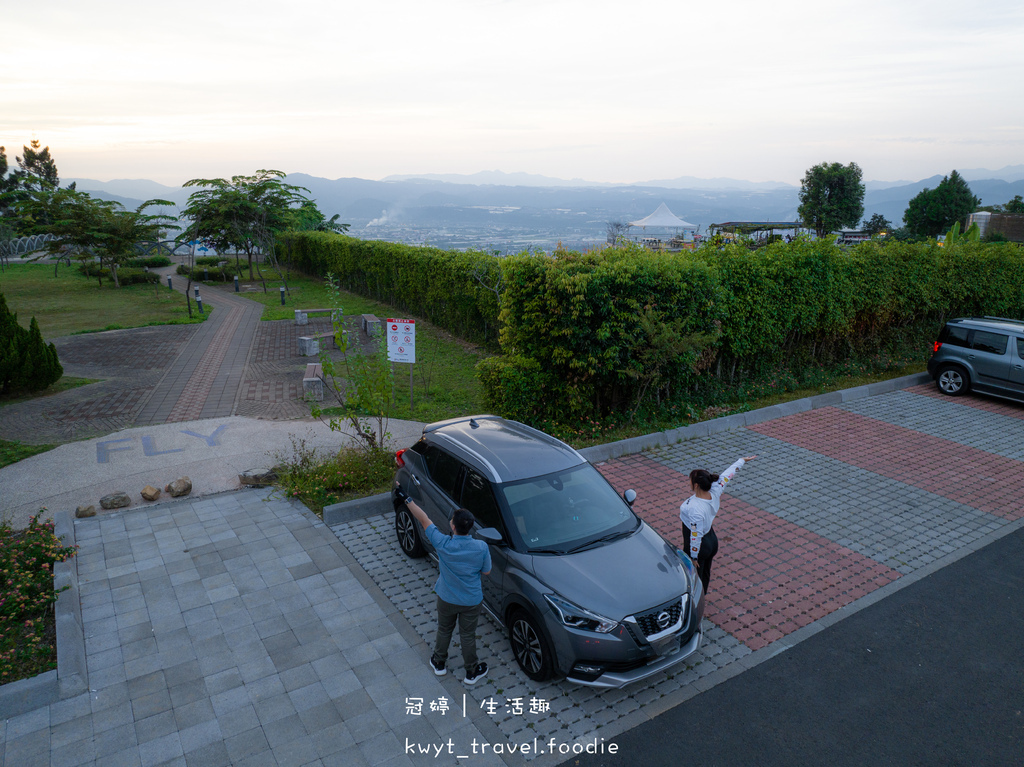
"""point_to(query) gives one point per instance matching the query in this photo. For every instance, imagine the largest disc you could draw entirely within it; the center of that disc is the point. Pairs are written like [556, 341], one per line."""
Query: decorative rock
[85, 511]
[115, 500]
[150, 493]
[180, 486]
[257, 477]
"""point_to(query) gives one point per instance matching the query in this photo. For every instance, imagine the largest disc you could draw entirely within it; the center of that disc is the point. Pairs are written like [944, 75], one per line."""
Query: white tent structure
[663, 218]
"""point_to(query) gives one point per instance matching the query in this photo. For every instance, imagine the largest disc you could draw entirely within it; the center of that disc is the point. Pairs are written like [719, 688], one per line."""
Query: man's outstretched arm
[413, 507]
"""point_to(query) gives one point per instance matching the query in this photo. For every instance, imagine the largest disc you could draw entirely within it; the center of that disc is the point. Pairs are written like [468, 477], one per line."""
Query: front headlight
[691, 571]
[577, 617]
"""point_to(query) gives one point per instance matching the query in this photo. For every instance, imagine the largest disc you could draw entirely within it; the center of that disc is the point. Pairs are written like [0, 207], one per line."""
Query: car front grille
[660, 618]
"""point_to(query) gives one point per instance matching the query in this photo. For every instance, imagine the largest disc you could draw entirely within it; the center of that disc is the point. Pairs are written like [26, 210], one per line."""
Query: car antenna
[473, 424]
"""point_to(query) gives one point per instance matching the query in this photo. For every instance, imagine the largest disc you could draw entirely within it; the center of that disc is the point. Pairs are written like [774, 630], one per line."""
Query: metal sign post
[402, 346]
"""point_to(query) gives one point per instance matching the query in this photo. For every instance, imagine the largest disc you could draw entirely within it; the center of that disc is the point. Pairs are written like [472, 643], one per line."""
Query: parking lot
[845, 505]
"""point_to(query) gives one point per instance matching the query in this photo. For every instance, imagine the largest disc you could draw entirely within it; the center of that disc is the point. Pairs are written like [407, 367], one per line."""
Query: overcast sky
[603, 91]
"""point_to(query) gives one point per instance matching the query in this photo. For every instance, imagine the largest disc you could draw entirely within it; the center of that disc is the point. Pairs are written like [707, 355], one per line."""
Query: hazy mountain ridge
[425, 209]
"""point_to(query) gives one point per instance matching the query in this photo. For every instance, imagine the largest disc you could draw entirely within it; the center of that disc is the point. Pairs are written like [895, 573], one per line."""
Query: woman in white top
[697, 514]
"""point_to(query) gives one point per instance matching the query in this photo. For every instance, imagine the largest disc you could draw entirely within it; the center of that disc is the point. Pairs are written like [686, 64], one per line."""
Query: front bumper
[614, 679]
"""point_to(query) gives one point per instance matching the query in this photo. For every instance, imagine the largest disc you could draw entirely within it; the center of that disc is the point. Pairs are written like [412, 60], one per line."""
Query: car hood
[619, 578]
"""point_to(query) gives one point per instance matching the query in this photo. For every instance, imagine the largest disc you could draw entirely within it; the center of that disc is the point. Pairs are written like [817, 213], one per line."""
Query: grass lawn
[444, 382]
[65, 383]
[12, 452]
[71, 303]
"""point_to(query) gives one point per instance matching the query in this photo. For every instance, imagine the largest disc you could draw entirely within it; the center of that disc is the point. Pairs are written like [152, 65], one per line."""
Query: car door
[1017, 367]
[441, 486]
[990, 360]
[478, 497]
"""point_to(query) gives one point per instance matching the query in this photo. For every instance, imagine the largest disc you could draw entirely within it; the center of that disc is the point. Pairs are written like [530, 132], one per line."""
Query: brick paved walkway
[232, 364]
[840, 501]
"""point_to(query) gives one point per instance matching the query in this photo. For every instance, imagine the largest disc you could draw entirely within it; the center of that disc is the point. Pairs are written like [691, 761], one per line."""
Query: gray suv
[585, 589]
[983, 354]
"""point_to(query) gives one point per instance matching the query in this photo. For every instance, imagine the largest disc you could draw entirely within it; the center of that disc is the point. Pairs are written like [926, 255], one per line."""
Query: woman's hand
[751, 458]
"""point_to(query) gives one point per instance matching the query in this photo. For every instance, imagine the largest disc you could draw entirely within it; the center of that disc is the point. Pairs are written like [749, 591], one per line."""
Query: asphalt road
[933, 675]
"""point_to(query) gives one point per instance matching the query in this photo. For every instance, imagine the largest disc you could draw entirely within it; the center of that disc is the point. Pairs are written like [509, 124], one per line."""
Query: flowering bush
[27, 596]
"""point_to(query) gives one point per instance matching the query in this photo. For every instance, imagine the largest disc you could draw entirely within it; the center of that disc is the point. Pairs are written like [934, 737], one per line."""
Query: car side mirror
[489, 535]
[629, 496]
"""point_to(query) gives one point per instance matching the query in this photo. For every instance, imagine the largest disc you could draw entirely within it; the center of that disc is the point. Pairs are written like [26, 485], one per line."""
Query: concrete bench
[310, 346]
[302, 315]
[313, 382]
[371, 325]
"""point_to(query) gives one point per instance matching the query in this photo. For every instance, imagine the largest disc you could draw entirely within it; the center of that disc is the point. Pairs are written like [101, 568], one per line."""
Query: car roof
[502, 450]
[1000, 323]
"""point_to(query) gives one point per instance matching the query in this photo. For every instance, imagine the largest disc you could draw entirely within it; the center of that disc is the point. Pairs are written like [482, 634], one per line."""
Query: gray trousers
[467, 616]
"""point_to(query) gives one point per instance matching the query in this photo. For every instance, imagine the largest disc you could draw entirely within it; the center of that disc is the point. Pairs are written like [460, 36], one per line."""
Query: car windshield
[567, 510]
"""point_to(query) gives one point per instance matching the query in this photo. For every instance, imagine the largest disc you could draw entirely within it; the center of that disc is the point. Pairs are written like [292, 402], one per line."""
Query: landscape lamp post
[282, 295]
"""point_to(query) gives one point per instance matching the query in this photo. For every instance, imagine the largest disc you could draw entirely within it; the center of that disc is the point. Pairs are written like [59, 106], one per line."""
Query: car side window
[954, 335]
[444, 469]
[993, 343]
[478, 497]
[1020, 348]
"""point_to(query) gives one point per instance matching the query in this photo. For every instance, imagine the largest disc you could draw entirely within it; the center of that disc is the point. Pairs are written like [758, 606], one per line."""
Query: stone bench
[302, 315]
[313, 382]
[310, 346]
[371, 325]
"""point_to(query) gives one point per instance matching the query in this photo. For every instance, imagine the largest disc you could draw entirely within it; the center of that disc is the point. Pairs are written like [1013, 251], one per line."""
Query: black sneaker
[438, 670]
[477, 674]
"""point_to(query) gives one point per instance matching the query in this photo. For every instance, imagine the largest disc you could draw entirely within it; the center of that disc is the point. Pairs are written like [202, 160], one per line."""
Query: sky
[588, 89]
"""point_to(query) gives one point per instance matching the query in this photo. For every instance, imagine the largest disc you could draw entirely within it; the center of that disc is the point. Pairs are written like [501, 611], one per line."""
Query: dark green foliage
[453, 290]
[224, 273]
[125, 275]
[934, 211]
[208, 261]
[615, 334]
[877, 224]
[27, 363]
[153, 262]
[831, 197]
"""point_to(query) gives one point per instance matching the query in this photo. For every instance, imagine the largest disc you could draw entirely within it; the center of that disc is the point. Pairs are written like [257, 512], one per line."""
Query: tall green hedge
[586, 335]
[451, 289]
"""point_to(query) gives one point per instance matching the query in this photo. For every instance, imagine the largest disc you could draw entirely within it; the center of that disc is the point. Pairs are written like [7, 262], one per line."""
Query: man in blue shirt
[462, 561]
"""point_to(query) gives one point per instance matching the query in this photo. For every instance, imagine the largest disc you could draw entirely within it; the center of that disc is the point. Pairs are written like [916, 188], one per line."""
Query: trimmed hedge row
[125, 275]
[451, 289]
[588, 335]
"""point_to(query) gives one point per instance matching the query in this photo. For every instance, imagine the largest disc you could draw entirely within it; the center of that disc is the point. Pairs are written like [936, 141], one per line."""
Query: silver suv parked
[983, 354]
[584, 588]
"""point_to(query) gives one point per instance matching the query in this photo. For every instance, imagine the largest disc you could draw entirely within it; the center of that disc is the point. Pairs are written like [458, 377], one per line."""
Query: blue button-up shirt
[462, 560]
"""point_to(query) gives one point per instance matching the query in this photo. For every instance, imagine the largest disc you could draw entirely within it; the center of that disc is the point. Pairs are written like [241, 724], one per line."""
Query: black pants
[467, 616]
[708, 549]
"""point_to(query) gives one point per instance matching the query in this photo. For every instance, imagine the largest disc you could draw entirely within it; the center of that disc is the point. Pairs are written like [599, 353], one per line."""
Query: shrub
[153, 262]
[319, 480]
[27, 597]
[126, 275]
[27, 362]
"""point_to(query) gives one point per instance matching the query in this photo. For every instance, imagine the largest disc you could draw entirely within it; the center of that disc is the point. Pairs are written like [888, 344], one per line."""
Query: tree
[877, 224]
[616, 231]
[831, 197]
[86, 227]
[934, 211]
[244, 214]
[27, 363]
[38, 168]
[308, 218]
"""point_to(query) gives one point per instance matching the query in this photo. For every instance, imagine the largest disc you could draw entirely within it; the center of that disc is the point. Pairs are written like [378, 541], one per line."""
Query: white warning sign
[401, 340]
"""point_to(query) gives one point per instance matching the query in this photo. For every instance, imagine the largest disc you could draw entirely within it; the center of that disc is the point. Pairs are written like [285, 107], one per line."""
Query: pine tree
[27, 362]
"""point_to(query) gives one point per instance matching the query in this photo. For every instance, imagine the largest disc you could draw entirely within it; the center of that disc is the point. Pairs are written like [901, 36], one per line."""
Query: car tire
[529, 646]
[953, 380]
[408, 537]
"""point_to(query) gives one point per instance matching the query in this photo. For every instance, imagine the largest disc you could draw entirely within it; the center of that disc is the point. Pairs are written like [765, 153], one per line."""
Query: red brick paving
[770, 577]
[977, 401]
[984, 481]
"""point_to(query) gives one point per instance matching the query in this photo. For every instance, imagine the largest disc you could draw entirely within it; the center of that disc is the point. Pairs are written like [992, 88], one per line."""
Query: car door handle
[415, 479]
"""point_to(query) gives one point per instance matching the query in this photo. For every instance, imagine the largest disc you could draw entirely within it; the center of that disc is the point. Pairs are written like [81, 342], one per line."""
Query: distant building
[1009, 225]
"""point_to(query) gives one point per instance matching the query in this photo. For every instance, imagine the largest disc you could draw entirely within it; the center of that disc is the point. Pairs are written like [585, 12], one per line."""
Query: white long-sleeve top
[698, 514]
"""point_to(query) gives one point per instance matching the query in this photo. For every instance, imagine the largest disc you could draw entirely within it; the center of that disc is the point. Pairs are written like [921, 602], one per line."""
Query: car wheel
[529, 646]
[408, 538]
[952, 380]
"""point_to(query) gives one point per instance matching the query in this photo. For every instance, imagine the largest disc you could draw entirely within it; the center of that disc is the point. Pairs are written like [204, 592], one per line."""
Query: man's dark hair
[463, 520]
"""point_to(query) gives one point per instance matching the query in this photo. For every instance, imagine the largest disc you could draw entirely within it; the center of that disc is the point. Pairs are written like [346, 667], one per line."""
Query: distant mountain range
[506, 202]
